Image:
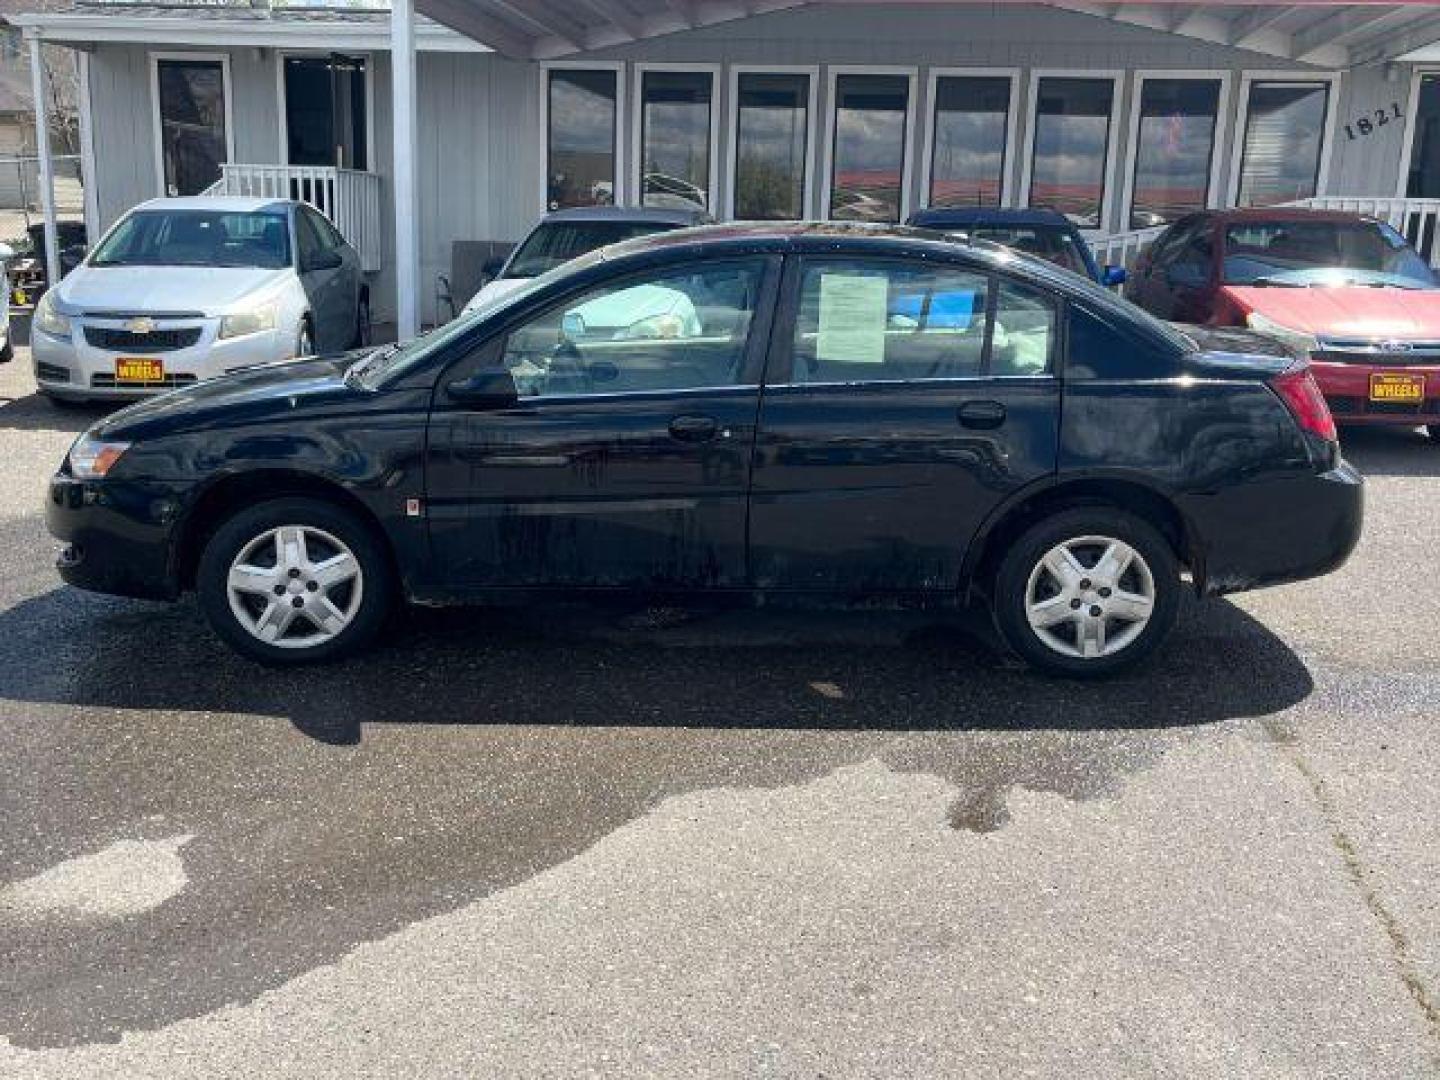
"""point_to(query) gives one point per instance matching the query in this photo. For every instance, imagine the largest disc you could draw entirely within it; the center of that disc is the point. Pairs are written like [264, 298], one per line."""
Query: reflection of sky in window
[1172, 158]
[770, 146]
[1283, 129]
[969, 152]
[869, 147]
[676, 144]
[1072, 129]
[582, 138]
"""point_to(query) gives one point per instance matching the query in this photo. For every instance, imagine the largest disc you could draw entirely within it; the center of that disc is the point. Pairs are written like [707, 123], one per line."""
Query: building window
[867, 181]
[676, 115]
[193, 137]
[581, 121]
[1423, 181]
[1284, 137]
[971, 123]
[772, 122]
[1071, 148]
[1175, 148]
[326, 120]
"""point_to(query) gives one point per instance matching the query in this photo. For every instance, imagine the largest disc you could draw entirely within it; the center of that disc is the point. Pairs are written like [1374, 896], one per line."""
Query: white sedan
[184, 289]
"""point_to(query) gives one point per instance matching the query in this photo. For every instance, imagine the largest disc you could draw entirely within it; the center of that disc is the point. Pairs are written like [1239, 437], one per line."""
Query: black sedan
[837, 412]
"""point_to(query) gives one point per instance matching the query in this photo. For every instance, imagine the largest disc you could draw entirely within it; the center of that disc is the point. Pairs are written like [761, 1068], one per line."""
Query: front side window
[1175, 148]
[675, 121]
[967, 164]
[196, 238]
[580, 138]
[771, 136]
[193, 146]
[880, 321]
[1283, 139]
[1322, 253]
[677, 330]
[868, 177]
[1071, 147]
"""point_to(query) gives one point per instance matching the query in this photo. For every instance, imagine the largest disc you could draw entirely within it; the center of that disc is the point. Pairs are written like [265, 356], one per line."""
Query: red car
[1347, 291]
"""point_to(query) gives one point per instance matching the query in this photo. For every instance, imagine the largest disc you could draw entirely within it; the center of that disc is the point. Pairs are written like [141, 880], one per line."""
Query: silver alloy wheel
[1090, 597]
[295, 587]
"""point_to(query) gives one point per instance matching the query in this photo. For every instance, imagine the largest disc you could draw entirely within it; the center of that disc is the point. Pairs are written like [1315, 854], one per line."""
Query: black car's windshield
[556, 242]
[1058, 246]
[197, 238]
[1303, 253]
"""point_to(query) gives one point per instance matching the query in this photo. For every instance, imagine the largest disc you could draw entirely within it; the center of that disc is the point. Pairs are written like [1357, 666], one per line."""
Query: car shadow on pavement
[1391, 451]
[35, 412]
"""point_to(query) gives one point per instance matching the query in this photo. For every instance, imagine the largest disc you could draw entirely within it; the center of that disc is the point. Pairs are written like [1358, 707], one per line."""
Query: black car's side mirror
[491, 268]
[488, 389]
[322, 260]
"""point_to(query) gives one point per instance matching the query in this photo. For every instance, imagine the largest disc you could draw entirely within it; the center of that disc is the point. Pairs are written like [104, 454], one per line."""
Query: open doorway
[326, 111]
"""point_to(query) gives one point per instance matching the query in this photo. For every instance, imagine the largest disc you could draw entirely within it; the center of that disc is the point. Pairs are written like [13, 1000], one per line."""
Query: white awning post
[42, 149]
[407, 222]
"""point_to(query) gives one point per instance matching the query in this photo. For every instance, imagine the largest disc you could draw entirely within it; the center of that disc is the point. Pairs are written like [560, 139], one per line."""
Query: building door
[326, 111]
[1424, 179]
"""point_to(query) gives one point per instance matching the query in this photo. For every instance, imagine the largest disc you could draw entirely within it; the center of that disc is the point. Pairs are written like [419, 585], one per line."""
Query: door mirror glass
[492, 388]
[322, 260]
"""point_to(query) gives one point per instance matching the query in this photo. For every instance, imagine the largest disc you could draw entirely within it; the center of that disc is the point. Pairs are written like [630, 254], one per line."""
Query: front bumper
[1346, 387]
[117, 536]
[1275, 531]
[73, 368]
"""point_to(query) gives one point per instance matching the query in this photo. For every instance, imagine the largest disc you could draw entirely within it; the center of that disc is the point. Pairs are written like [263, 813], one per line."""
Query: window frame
[1330, 79]
[1412, 117]
[490, 352]
[1032, 110]
[155, 58]
[1012, 127]
[812, 124]
[832, 112]
[781, 358]
[637, 136]
[1214, 186]
[281, 55]
[622, 171]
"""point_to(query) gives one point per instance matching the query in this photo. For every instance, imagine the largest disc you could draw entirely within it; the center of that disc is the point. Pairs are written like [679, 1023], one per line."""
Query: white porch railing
[349, 198]
[1124, 248]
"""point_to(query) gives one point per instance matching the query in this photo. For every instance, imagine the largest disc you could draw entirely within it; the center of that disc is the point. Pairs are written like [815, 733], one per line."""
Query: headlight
[91, 458]
[49, 320]
[240, 323]
[1302, 342]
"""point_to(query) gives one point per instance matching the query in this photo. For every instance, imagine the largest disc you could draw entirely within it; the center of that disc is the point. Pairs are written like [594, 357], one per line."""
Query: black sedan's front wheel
[294, 581]
[1087, 592]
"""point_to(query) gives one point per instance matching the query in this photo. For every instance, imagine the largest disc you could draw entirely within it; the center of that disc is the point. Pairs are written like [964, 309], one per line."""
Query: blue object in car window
[953, 310]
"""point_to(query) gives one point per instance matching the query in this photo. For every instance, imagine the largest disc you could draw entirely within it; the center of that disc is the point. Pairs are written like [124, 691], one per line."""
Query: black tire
[1433, 430]
[1012, 584]
[7, 351]
[59, 401]
[305, 339]
[242, 529]
[363, 329]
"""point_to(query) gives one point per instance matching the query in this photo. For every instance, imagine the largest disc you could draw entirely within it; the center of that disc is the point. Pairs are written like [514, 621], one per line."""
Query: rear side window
[1024, 338]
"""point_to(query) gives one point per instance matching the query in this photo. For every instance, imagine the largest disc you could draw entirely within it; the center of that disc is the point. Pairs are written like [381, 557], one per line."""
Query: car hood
[1347, 311]
[209, 290]
[246, 395]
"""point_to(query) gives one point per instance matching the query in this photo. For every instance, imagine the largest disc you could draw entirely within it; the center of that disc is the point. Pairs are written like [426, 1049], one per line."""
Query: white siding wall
[480, 142]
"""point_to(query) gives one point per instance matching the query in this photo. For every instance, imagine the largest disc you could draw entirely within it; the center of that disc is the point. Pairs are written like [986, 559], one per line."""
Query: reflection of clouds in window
[770, 146]
[869, 147]
[969, 144]
[1072, 131]
[1174, 148]
[675, 141]
[581, 116]
[1284, 126]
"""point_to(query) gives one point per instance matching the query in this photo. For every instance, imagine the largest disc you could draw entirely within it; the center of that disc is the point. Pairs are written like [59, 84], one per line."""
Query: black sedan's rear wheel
[294, 581]
[1087, 592]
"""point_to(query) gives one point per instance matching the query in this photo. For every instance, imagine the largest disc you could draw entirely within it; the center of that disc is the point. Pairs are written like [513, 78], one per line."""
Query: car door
[904, 401]
[323, 277]
[624, 458]
[348, 282]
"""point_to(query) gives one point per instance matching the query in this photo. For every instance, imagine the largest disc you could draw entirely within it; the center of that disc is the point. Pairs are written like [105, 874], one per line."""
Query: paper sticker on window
[852, 319]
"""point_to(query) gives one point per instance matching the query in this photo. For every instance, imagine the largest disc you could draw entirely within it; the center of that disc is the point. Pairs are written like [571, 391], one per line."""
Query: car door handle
[981, 414]
[694, 428]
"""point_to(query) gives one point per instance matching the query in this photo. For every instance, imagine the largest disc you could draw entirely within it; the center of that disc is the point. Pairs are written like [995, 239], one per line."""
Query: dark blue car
[1046, 233]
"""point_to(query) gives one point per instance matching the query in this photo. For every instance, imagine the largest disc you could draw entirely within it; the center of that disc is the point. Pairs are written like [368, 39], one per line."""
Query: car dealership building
[433, 134]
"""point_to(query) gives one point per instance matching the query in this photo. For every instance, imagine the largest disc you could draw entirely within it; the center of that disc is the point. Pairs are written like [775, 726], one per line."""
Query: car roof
[234, 204]
[639, 214]
[1284, 213]
[960, 217]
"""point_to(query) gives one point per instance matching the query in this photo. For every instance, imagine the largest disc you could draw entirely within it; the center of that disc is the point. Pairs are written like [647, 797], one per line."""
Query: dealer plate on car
[139, 369]
[1393, 386]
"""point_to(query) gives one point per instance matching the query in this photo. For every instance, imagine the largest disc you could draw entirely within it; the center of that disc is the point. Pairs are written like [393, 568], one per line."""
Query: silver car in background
[185, 289]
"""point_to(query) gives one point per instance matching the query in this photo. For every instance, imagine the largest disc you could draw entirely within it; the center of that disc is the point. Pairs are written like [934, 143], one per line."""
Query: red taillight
[1301, 394]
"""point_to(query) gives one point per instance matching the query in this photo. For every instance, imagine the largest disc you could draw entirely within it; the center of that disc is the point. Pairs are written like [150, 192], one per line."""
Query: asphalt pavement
[626, 842]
